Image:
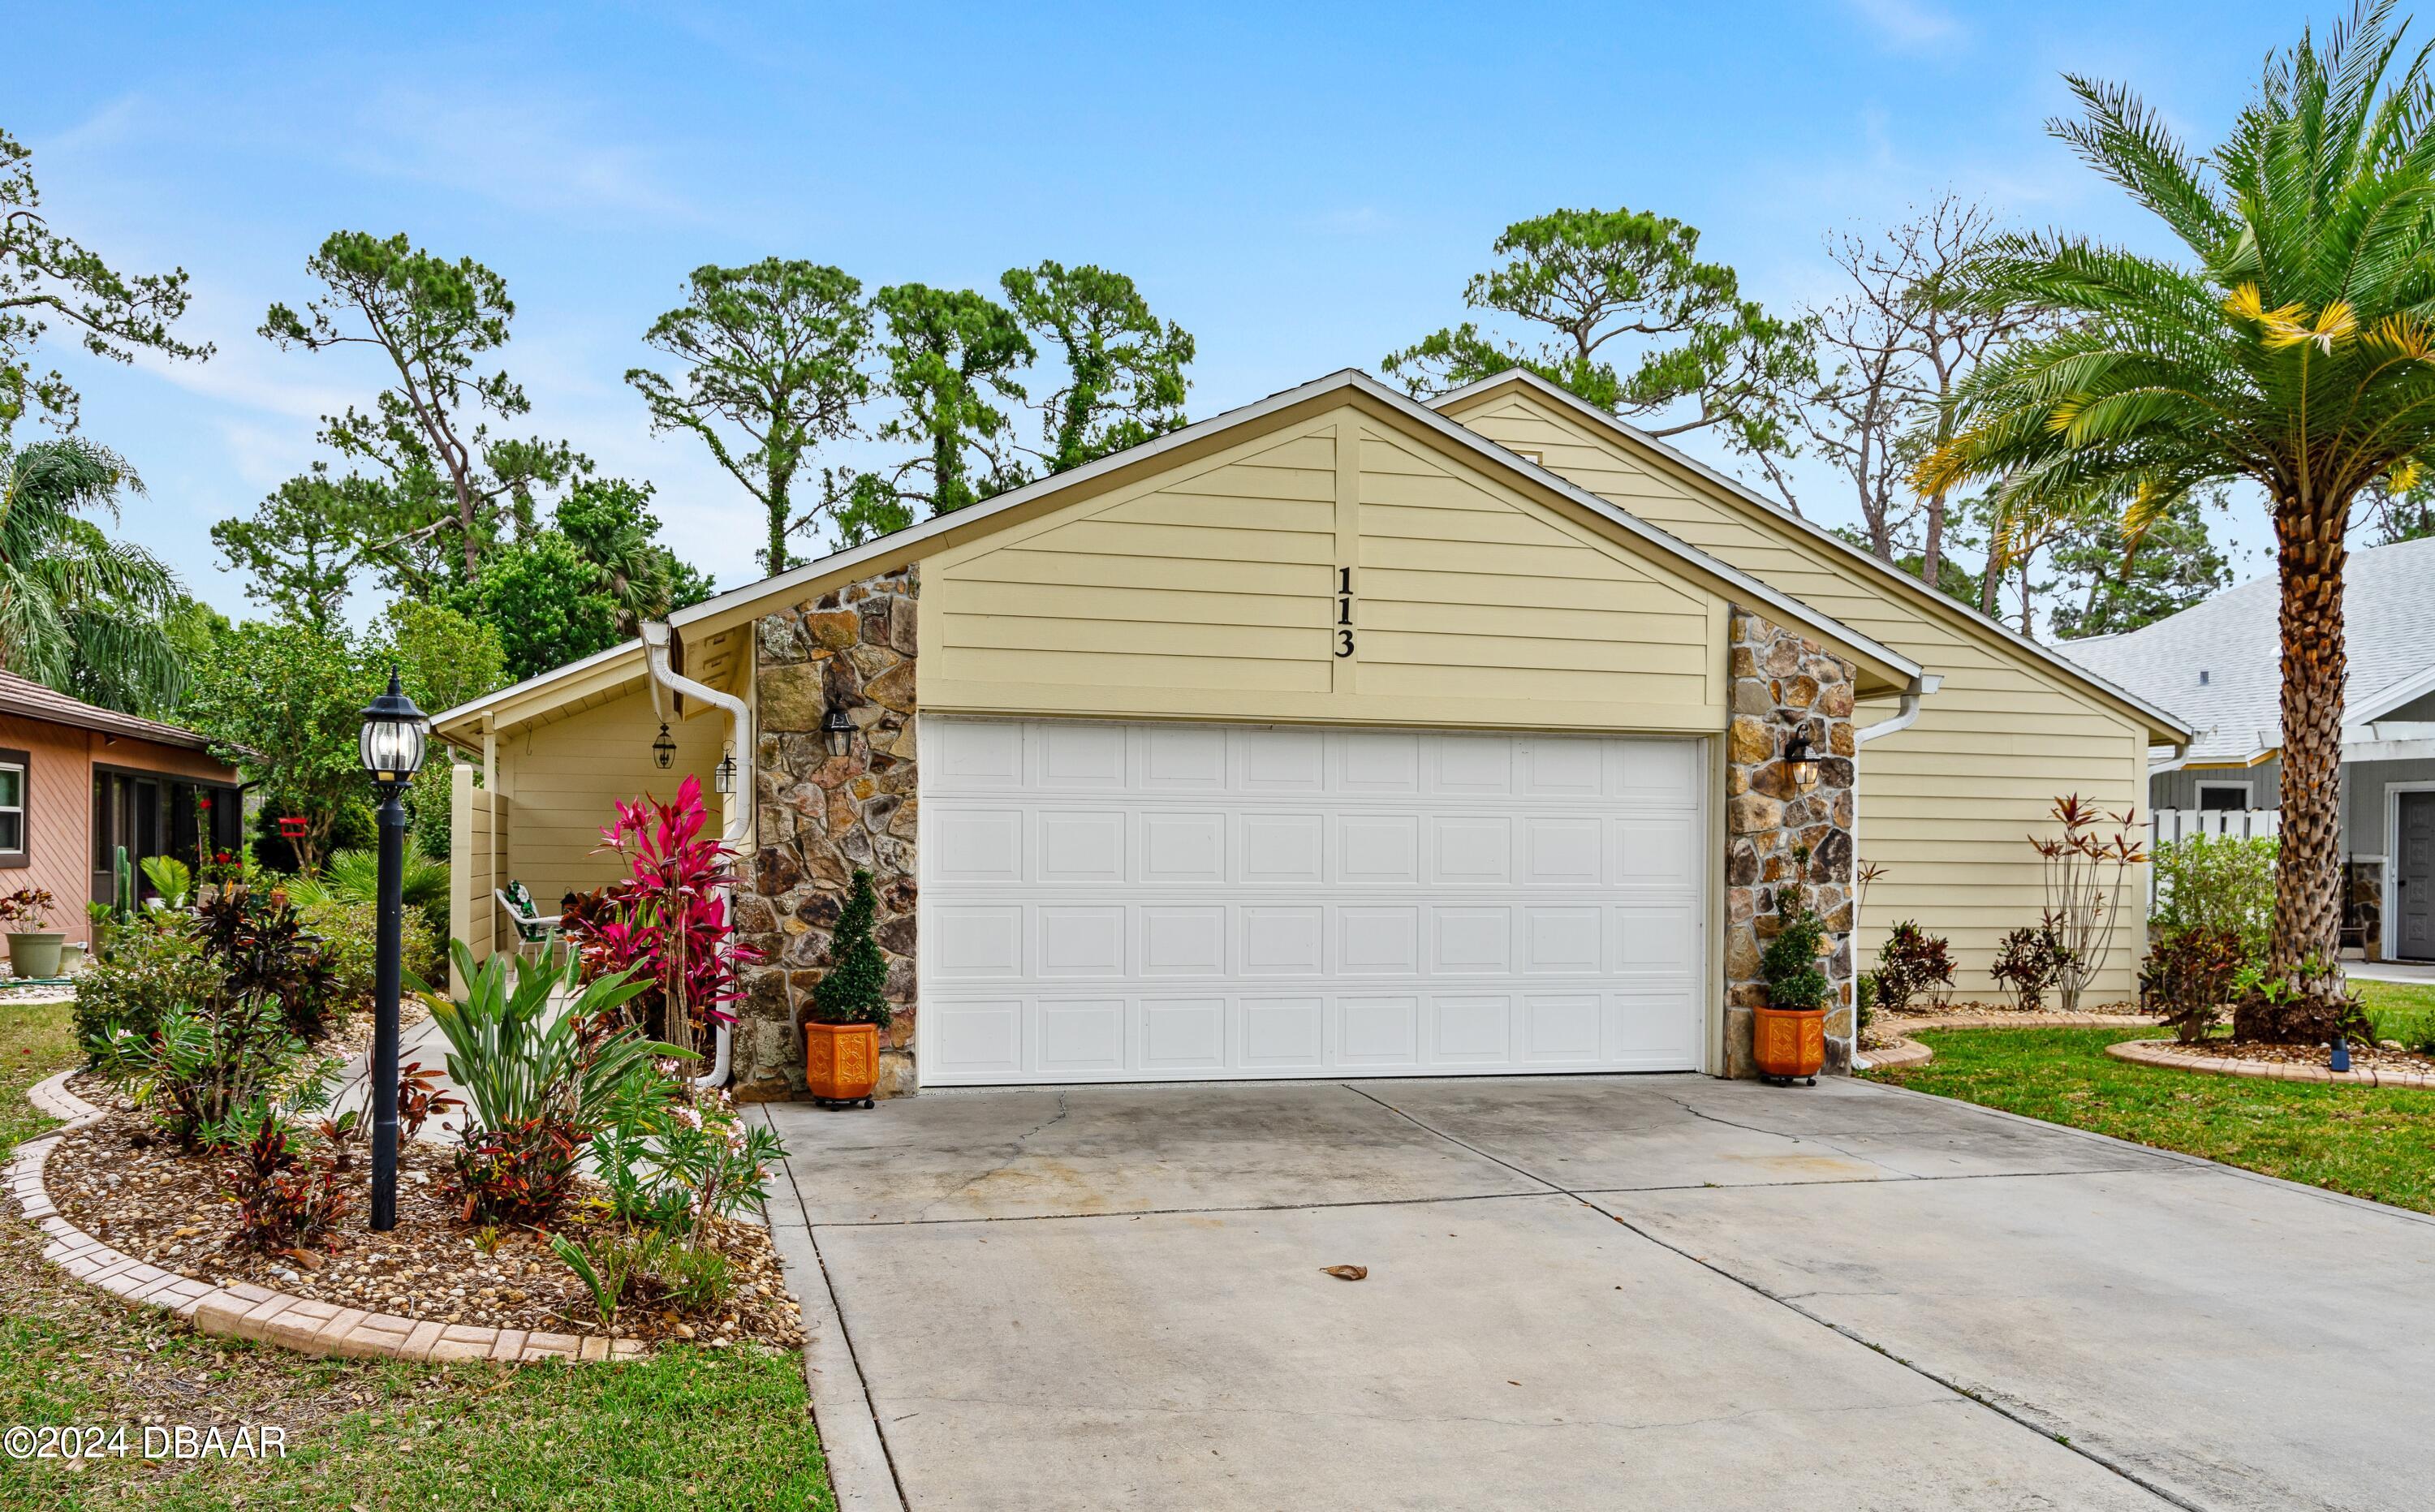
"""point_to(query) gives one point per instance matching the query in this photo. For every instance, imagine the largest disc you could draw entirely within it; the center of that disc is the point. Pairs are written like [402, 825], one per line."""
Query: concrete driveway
[1596, 1293]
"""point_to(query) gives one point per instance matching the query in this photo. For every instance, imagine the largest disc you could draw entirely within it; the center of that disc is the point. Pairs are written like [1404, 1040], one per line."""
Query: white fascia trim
[513, 690]
[2386, 699]
[1735, 486]
[907, 542]
[899, 544]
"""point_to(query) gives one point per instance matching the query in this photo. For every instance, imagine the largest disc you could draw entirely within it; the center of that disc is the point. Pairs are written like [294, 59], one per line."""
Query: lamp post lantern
[391, 746]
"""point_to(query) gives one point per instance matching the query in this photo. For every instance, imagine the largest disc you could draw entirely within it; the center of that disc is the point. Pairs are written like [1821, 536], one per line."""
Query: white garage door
[1123, 903]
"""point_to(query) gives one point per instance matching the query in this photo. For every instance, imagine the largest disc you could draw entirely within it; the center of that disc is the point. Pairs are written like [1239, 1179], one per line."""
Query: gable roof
[918, 540]
[29, 700]
[2159, 717]
[2236, 640]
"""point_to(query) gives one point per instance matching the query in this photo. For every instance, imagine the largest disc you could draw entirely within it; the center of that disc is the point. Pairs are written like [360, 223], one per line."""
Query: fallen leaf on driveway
[1345, 1273]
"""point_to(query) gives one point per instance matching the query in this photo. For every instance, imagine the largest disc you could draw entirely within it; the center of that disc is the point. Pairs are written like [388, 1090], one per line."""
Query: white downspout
[1905, 712]
[737, 831]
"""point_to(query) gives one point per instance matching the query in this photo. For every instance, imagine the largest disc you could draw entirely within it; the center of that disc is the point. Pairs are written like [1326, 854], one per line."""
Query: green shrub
[144, 970]
[205, 1072]
[347, 930]
[541, 1079]
[353, 876]
[2220, 884]
[2189, 976]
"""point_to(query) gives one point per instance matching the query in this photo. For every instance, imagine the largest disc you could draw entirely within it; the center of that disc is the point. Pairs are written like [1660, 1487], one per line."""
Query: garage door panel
[1283, 848]
[977, 845]
[1145, 901]
[1080, 846]
[1471, 850]
[1283, 1034]
[1378, 1033]
[1186, 940]
[1283, 941]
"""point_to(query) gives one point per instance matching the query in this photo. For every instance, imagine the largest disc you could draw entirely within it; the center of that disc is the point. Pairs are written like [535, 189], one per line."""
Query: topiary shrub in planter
[1788, 1035]
[849, 1007]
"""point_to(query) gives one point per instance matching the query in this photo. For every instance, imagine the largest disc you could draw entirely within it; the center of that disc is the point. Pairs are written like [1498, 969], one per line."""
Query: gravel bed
[120, 1182]
[2388, 1056]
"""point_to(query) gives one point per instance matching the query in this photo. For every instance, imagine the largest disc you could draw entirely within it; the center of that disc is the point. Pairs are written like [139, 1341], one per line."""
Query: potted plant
[1788, 1035]
[33, 953]
[849, 1007]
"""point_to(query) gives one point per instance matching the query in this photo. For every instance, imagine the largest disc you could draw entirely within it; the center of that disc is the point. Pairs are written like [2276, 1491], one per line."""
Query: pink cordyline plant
[669, 917]
[2085, 871]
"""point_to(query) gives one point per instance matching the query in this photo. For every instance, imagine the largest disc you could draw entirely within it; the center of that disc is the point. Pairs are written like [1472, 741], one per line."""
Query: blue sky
[1303, 187]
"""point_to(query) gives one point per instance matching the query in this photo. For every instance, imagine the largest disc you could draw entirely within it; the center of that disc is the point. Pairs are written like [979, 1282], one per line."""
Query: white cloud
[528, 152]
[1910, 25]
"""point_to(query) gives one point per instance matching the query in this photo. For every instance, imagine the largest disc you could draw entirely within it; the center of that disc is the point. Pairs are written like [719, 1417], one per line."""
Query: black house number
[1345, 611]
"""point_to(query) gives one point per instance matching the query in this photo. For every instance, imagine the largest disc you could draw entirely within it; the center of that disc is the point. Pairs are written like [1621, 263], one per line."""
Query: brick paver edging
[2172, 1057]
[1905, 1051]
[245, 1310]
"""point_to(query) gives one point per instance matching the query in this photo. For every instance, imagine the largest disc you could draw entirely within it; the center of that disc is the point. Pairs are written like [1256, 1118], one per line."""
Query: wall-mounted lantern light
[1799, 762]
[838, 730]
[722, 777]
[664, 750]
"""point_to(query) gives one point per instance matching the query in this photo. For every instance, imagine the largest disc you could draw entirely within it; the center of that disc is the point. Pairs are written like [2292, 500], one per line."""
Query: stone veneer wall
[822, 816]
[1785, 684]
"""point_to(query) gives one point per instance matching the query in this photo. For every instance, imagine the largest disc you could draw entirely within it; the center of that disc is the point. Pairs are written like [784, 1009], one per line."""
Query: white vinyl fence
[2167, 825]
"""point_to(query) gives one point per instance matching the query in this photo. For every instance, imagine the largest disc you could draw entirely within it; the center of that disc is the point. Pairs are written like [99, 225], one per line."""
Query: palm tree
[2294, 349]
[79, 612]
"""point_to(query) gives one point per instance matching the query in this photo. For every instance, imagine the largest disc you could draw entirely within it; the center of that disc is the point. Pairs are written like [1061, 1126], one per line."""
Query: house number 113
[1344, 611]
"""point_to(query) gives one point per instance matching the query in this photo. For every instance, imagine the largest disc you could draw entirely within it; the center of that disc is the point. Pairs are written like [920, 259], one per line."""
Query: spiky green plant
[78, 611]
[2294, 347]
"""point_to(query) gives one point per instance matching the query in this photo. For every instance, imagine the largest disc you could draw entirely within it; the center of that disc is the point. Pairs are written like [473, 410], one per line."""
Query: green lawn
[2402, 1010]
[683, 1429]
[2370, 1143]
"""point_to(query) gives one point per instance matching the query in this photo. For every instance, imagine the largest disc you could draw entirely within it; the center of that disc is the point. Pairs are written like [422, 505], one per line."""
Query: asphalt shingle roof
[2233, 640]
[34, 700]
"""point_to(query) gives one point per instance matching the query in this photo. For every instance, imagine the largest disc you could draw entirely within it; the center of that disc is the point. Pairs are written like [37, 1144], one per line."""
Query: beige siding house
[1338, 735]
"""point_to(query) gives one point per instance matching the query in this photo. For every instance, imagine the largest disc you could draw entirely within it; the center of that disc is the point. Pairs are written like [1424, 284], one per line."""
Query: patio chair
[535, 932]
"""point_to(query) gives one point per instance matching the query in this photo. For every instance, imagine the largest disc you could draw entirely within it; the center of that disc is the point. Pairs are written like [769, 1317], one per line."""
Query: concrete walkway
[1584, 1292]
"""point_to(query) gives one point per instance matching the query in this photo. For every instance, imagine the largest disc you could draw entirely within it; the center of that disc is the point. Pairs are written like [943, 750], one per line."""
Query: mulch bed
[2388, 1057]
[124, 1185]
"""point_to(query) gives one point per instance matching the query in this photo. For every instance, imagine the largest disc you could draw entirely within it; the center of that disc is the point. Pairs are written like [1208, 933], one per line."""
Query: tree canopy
[427, 436]
[46, 275]
[771, 356]
[1124, 380]
[1622, 312]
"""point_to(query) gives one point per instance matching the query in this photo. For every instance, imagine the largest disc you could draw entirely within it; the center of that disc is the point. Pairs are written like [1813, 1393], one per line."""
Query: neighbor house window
[13, 808]
[2221, 796]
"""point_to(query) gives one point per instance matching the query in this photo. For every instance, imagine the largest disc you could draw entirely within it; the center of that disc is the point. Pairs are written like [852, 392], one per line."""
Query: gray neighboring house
[2217, 665]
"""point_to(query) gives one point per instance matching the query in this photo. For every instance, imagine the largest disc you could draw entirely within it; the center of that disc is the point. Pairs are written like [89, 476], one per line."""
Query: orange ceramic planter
[1789, 1042]
[841, 1061]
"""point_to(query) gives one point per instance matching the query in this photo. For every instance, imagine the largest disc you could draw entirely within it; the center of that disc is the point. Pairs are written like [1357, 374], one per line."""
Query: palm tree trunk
[2307, 877]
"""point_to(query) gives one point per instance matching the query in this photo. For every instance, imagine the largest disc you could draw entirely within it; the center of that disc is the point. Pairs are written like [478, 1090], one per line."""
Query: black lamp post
[392, 747]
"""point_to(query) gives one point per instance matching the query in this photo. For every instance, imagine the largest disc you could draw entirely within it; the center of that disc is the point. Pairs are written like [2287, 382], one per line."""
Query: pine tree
[854, 989]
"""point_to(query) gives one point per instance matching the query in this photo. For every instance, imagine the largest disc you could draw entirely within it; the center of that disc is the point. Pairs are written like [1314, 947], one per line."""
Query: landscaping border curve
[245, 1310]
[2167, 1054]
[1906, 1051]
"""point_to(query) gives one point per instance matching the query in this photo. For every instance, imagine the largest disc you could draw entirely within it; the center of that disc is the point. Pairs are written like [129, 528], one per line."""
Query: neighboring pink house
[77, 782]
